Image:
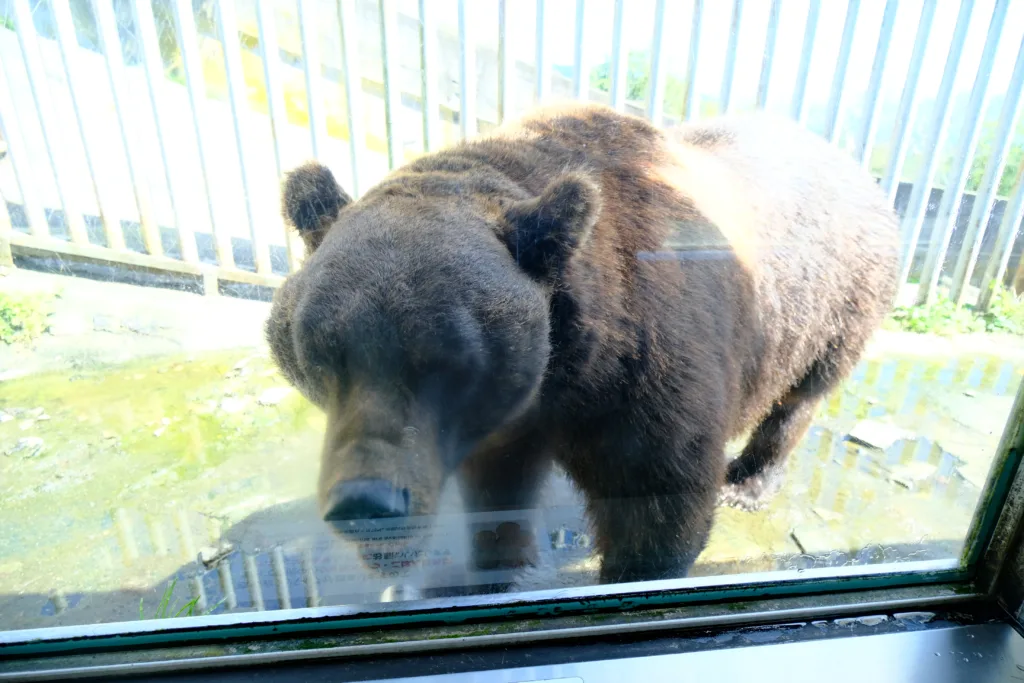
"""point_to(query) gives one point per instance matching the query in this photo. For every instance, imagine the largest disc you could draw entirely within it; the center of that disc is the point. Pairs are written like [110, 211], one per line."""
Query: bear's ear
[311, 201]
[543, 232]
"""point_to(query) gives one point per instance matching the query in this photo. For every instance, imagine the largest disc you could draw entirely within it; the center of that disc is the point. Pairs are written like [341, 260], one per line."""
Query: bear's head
[419, 323]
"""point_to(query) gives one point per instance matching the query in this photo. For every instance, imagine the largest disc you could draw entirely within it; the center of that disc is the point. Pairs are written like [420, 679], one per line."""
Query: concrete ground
[148, 445]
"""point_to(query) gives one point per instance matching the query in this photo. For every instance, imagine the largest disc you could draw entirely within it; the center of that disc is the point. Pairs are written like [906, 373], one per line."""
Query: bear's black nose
[361, 499]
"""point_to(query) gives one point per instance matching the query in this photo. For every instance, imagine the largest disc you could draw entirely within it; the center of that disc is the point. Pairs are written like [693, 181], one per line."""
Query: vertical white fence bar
[798, 109]
[392, 91]
[467, 74]
[656, 94]
[185, 24]
[906, 113]
[429, 66]
[837, 97]
[725, 98]
[110, 43]
[1008, 230]
[228, 22]
[6, 258]
[354, 107]
[67, 43]
[506, 67]
[580, 72]
[914, 217]
[619, 64]
[764, 83]
[37, 79]
[310, 39]
[149, 44]
[266, 28]
[692, 89]
[252, 580]
[982, 210]
[872, 101]
[280, 573]
[543, 75]
[17, 152]
[967, 144]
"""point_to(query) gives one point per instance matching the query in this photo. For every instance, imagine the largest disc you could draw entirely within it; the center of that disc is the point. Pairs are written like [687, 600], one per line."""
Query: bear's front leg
[651, 505]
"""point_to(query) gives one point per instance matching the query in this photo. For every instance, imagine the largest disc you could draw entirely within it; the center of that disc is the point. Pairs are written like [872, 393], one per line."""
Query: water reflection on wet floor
[843, 502]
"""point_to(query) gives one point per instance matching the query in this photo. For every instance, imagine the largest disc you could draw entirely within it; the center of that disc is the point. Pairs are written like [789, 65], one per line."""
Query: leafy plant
[942, 317]
[23, 317]
[1004, 314]
[638, 77]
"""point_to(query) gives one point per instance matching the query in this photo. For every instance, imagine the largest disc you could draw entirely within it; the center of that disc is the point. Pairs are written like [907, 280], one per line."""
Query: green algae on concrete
[142, 444]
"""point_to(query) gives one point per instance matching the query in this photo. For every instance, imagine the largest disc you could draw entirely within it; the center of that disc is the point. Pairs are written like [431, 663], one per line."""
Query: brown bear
[583, 288]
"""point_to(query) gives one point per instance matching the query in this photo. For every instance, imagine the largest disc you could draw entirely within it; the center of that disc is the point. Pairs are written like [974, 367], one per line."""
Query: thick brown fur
[511, 301]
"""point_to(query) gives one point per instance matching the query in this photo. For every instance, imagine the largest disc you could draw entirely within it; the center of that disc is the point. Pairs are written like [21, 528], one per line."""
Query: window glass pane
[577, 349]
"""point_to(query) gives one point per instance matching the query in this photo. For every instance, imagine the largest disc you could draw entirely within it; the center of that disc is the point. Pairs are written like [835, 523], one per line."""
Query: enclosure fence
[153, 134]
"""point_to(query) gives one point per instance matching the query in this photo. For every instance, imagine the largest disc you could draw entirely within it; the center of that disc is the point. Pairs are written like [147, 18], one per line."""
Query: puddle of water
[145, 465]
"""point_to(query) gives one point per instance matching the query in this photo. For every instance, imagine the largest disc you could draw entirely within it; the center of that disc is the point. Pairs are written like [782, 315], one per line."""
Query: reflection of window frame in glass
[988, 577]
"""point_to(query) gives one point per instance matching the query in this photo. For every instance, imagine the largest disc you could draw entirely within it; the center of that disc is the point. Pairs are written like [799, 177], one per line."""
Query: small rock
[878, 435]
[913, 474]
[26, 424]
[5, 417]
[233, 405]
[211, 555]
[36, 412]
[104, 323]
[273, 396]
[159, 431]
[43, 418]
[970, 394]
[914, 617]
[109, 435]
[165, 421]
[29, 447]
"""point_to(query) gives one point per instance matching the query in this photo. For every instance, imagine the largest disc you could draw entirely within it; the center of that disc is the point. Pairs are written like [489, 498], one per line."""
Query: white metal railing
[193, 211]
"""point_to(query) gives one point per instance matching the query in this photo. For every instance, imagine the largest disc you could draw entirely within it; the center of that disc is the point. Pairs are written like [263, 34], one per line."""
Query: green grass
[23, 317]
[165, 608]
[943, 317]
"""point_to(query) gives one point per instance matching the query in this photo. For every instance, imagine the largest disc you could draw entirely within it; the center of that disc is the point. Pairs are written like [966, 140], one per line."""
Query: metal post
[152, 62]
[949, 207]
[907, 111]
[872, 101]
[837, 97]
[354, 108]
[692, 91]
[228, 23]
[29, 45]
[725, 98]
[799, 106]
[185, 24]
[580, 73]
[266, 28]
[67, 41]
[619, 64]
[467, 75]
[914, 217]
[769, 54]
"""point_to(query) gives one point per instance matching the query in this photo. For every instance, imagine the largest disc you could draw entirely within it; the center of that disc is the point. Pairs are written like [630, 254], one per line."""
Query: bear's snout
[355, 500]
